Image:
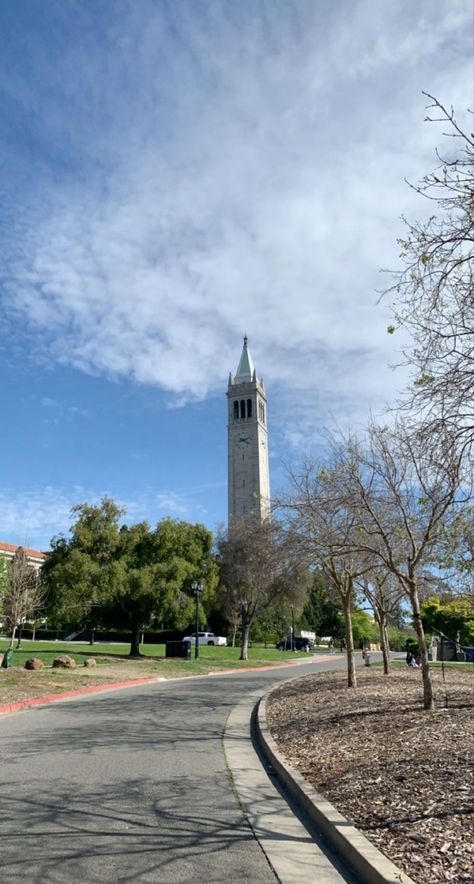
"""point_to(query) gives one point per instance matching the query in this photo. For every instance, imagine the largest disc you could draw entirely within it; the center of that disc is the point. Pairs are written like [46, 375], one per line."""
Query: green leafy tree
[127, 576]
[363, 626]
[321, 613]
[77, 573]
[452, 618]
[153, 573]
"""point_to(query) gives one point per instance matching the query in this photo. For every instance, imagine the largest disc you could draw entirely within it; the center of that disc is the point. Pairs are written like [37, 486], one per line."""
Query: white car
[206, 638]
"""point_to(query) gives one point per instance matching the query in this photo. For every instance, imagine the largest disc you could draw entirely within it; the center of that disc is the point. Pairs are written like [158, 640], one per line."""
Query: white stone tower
[249, 477]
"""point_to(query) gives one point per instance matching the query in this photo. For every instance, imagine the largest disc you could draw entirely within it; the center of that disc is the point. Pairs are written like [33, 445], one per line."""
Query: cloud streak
[239, 171]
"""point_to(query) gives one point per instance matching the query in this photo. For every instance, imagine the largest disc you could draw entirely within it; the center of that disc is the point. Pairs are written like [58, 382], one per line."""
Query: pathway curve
[130, 785]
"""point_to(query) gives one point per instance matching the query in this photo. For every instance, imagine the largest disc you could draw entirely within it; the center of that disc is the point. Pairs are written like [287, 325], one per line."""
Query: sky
[175, 175]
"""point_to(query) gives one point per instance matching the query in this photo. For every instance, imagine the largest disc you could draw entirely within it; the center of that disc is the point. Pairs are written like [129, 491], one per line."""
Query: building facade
[34, 557]
[247, 435]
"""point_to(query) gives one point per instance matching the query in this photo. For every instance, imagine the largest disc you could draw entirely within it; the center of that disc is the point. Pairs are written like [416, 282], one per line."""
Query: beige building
[247, 435]
[34, 556]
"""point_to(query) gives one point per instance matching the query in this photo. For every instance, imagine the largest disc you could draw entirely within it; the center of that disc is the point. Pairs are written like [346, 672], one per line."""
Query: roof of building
[31, 553]
[245, 370]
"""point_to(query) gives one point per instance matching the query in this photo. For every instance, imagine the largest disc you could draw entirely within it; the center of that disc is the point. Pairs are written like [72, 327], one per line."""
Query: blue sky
[175, 175]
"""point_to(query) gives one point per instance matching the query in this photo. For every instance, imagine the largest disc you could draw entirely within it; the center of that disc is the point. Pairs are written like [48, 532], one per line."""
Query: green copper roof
[245, 369]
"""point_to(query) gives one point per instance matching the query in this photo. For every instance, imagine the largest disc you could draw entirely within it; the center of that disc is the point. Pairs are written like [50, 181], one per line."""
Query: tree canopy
[123, 576]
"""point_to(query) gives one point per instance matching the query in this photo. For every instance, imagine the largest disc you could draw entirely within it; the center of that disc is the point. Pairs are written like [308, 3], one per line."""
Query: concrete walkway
[291, 850]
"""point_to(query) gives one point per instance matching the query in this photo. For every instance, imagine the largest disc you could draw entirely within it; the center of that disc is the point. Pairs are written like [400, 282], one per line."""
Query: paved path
[130, 785]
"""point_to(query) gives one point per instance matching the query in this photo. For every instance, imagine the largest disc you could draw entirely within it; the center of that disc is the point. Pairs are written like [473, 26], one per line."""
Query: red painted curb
[50, 698]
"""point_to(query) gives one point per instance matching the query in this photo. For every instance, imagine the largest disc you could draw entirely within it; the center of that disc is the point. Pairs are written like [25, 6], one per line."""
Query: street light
[292, 609]
[197, 588]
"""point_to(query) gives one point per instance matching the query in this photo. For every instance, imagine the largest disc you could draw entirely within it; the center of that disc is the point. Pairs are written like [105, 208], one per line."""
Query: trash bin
[7, 659]
[178, 649]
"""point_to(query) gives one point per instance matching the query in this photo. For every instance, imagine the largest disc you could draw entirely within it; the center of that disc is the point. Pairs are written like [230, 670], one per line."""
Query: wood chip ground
[403, 776]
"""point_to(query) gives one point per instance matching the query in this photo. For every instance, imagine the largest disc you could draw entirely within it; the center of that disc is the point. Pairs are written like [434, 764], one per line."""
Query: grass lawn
[108, 653]
[114, 664]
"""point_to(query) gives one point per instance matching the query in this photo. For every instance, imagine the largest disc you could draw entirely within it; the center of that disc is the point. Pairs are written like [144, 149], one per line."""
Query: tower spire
[245, 367]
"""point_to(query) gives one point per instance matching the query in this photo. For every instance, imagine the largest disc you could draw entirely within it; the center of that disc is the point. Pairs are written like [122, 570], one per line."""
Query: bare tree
[434, 291]
[324, 525]
[228, 604]
[384, 593]
[257, 567]
[401, 490]
[23, 595]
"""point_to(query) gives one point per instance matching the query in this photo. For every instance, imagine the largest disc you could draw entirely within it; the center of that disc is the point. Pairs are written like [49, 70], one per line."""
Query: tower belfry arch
[247, 435]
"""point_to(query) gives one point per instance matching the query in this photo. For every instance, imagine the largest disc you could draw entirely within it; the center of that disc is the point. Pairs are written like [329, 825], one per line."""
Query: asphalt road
[130, 785]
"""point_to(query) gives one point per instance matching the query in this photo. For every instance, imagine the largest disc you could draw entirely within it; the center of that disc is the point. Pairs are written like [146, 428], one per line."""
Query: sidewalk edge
[352, 845]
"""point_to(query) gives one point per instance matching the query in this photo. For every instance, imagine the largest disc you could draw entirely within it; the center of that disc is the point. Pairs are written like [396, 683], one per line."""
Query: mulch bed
[403, 776]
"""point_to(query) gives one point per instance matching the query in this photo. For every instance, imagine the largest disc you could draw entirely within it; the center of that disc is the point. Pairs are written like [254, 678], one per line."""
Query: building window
[236, 410]
[261, 412]
[249, 408]
[242, 408]
[243, 483]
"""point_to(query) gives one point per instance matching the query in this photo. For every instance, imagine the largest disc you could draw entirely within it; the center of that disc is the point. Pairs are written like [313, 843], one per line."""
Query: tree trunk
[351, 671]
[381, 621]
[245, 641]
[386, 650]
[135, 645]
[12, 637]
[234, 633]
[428, 692]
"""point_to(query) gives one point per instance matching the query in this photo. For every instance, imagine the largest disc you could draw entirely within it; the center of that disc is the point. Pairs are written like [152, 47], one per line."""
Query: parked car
[206, 638]
[299, 644]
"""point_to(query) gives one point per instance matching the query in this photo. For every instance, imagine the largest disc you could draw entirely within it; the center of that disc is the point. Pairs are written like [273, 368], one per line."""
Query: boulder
[64, 662]
[34, 663]
[90, 661]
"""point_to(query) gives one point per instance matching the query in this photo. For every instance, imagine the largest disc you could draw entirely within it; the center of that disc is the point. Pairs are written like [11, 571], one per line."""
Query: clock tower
[248, 470]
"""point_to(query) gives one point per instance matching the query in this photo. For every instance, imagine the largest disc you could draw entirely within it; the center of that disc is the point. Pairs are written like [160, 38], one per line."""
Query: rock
[64, 662]
[90, 661]
[34, 663]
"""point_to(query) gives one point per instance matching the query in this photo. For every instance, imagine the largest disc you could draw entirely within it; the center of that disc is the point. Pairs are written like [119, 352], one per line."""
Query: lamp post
[197, 588]
[292, 609]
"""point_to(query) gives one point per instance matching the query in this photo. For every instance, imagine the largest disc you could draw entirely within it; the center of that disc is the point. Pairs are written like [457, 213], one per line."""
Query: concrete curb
[355, 849]
[66, 695]
[301, 662]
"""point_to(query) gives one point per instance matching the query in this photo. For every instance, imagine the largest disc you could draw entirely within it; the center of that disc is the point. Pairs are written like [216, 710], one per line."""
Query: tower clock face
[242, 441]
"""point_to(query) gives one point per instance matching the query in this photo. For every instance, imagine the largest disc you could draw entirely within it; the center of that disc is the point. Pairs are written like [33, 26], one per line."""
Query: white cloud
[169, 503]
[253, 185]
[33, 517]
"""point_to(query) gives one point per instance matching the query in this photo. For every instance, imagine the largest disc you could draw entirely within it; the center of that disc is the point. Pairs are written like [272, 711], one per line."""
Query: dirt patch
[18, 684]
[403, 776]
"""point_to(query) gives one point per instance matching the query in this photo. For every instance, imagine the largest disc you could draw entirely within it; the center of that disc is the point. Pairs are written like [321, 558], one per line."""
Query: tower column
[247, 435]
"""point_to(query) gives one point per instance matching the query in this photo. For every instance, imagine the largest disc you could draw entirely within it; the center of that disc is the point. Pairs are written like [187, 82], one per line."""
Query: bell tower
[247, 434]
